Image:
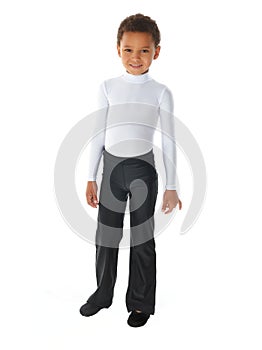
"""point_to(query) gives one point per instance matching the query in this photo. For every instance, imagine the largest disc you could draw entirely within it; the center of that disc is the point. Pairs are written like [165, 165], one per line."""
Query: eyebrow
[143, 47]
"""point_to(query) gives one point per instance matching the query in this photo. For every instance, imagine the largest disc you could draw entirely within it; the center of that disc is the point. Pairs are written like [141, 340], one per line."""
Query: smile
[136, 66]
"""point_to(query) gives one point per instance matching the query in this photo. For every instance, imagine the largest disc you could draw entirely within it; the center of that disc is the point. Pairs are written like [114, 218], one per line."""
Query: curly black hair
[139, 23]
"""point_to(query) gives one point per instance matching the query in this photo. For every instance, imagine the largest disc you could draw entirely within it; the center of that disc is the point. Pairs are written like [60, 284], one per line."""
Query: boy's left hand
[170, 201]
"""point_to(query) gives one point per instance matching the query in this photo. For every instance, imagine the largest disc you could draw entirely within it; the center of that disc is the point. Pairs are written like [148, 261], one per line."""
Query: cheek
[148, 59]
[124, 57]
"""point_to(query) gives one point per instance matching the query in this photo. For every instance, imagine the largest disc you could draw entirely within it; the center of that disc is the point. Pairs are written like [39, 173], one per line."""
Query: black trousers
[136, 178]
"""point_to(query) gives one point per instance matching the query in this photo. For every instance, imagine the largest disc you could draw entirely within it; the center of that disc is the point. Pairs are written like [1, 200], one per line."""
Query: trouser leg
[106, 273]
[142, 264]
[108, 235]
[142, 278]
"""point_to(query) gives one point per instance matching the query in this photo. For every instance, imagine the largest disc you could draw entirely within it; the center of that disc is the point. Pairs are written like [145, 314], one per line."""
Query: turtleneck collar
[141, 78]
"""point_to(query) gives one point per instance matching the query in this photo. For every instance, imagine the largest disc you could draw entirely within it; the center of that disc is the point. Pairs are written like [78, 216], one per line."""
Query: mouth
[136, 66]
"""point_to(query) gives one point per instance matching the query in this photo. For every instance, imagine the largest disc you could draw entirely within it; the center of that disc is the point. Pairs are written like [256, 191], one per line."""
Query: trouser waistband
[148, 157]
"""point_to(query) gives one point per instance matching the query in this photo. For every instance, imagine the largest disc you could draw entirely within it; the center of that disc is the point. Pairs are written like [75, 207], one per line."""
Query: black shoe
[89, 309]
[137, 319]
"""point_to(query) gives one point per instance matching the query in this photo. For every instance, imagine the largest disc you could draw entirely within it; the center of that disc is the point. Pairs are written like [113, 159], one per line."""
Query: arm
[97, 146]
[167, 123]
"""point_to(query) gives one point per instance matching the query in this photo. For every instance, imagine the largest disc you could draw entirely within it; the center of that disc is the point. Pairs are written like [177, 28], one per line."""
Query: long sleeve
[98, 141]
[167, 123]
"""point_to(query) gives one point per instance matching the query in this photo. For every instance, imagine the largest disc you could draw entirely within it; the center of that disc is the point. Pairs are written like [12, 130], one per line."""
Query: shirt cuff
[170, 187]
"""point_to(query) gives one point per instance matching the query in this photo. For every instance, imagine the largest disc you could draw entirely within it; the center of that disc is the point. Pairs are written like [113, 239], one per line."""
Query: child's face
[137, 51]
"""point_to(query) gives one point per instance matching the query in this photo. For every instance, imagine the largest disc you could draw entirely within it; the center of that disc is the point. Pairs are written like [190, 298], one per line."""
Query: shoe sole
[137, 324]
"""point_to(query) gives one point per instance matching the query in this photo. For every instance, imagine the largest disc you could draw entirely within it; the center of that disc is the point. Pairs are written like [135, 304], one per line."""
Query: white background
[53, 56]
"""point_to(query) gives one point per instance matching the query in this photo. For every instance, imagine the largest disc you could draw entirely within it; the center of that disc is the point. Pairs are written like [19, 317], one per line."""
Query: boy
[130, 106]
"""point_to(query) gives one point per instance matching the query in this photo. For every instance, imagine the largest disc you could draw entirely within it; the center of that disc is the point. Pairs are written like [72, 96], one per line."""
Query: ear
[157, 51]
[118, 50]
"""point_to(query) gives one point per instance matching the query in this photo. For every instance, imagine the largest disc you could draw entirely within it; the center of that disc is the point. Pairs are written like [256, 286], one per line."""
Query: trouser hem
[141, 307]
[105, 305]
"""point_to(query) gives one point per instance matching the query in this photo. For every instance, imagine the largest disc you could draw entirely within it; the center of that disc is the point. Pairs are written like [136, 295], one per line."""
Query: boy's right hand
[91, 194]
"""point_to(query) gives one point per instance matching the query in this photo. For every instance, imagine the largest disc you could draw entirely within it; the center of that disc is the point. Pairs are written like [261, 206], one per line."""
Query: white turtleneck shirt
[130, 108]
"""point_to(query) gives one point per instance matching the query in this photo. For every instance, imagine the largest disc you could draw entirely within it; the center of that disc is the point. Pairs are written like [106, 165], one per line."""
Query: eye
[127, 50]
[145, 51]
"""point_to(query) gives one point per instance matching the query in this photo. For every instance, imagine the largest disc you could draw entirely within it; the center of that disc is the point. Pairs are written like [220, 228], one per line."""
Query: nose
[136, 55]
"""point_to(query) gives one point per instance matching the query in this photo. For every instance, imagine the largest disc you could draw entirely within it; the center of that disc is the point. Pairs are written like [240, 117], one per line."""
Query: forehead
[137, 39]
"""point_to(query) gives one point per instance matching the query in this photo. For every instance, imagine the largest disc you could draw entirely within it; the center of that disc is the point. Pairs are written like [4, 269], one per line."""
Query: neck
[138, 74]
[140, 78]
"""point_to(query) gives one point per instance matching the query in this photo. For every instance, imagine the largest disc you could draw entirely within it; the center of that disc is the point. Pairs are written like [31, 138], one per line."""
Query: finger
[165, 206]
[90, 200]
[94, 201]
[91, 204]
[168, 209]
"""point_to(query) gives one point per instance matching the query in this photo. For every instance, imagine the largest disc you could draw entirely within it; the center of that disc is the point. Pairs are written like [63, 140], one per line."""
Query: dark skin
[137, 51]
[170, 198]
